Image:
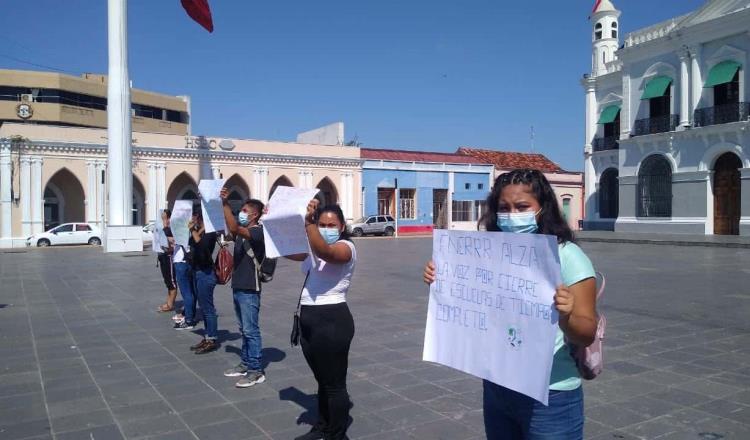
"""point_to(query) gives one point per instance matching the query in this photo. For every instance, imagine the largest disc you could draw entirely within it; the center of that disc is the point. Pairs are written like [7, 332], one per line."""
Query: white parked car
[147, 233]
[67, 233]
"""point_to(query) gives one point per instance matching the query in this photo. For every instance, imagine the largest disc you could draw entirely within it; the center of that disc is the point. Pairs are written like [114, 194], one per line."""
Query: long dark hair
[335, 210]
[551, 221]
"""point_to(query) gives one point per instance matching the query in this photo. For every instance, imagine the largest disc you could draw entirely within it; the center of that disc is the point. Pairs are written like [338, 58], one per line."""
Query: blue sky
[401, 74]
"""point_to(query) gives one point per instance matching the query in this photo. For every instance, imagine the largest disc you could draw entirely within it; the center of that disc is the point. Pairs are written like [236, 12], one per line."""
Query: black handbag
[296, 330]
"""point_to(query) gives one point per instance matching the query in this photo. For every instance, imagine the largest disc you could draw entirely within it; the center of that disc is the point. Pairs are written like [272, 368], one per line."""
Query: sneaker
[208, 346]
[239, 370]
[198, 345]
[183, 325]
[250, 379]
[314, 434]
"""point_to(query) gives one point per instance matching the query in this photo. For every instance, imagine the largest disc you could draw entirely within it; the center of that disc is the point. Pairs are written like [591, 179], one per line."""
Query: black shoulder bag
[296, 330]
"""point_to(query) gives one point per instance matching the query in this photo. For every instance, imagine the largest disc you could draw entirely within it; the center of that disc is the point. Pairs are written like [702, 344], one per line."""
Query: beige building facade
[51, 175]
[31, 97]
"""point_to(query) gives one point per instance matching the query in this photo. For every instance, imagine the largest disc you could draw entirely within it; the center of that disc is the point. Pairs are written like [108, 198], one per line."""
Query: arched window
[604, 57]
[566, 208]
[608, 194]
[598, 31]
[614, 29]
[655, 187]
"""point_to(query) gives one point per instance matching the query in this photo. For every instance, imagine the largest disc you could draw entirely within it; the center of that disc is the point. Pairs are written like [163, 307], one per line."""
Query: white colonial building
[667, 133]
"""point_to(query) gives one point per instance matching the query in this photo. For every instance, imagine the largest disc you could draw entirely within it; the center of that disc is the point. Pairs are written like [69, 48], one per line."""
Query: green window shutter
[722, 73]
[609, 114]
[657, 87]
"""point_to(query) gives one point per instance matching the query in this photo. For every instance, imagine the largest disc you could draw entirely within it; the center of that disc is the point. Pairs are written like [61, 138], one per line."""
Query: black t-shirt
[202, 252]
[244, 273]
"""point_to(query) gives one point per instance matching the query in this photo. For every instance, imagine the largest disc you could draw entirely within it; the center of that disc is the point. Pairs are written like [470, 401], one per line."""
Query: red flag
[596, 6]
[199, 11]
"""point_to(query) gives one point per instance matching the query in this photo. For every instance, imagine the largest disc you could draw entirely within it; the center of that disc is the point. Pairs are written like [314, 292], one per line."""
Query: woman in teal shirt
[523, 201]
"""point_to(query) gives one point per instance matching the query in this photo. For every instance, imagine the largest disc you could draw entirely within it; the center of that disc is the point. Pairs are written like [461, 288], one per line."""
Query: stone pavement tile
[742, 397]
[711, 426]
[680, 397]
[372, 371]
[728, 410]
[453, 406]
[228, 430]
[152, 426]
[87, 420]
[693, 370]
[388, 435]
[174, 435]
[194, 401]
[22, 430]
[264, 405]
[278, 421]
[407, 415]
[211, 415]
[399, 380]
[13, 389]
[663, 377]
[592, 428]
[76, 406]
[614, 435]
[615, 415]
[707, 388]
[69, 383]
[626, 368]
[652, 361]
[110, 432]
[650, 407]
[441, 430]
[141, 411]
[655, 429]
[462, 385]
[65, 395]
[423, 392]
[377, 401]
[737, 381]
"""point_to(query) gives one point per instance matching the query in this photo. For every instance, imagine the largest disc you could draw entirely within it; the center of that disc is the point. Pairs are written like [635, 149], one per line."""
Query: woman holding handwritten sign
[523, 201]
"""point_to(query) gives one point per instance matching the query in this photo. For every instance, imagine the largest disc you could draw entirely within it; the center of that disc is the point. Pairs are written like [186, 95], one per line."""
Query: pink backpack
[590, 360]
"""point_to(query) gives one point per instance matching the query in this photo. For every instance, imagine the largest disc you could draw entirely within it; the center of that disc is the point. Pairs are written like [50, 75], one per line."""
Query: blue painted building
[424, 190]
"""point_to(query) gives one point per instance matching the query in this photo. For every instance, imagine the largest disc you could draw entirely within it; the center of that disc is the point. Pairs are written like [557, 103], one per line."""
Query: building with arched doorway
[56, 174]
[667, 131]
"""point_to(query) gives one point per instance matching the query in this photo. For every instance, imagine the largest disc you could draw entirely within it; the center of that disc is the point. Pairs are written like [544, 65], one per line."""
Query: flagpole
[119, 155]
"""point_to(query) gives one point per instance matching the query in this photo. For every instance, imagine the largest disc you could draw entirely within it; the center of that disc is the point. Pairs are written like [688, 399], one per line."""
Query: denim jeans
[186, 283]
[509, 415]
[205, 282]
[247, 308]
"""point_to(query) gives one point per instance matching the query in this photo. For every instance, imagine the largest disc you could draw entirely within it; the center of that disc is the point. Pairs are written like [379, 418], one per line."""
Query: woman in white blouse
[326, 325]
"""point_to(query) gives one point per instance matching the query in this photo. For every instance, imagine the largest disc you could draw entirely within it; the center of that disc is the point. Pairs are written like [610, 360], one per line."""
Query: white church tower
[605, 36]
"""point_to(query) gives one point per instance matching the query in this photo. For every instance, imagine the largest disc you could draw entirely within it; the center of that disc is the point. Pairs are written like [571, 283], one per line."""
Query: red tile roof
[505, 160]
[418, 156]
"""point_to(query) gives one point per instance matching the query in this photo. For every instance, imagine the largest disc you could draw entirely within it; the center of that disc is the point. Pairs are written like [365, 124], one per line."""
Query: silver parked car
[374, 224]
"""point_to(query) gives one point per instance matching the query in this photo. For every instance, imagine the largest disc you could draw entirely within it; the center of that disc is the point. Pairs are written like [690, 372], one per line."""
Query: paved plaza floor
[83, 354]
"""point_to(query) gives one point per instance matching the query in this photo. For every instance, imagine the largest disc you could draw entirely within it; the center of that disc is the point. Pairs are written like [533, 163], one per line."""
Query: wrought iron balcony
[606, 143]
[657, 124]
[721, 114]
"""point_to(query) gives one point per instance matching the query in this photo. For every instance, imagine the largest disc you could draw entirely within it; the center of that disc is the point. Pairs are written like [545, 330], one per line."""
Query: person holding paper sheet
[327, 326]
[523, 201]
[202, 246]
[249, 251]
[166, 266]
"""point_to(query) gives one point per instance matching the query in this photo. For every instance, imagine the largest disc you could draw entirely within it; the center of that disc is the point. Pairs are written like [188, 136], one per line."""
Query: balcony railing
[722, 114]
[606, 143]
[657, 124]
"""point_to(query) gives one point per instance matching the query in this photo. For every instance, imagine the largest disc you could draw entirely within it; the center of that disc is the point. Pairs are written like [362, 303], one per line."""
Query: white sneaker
[251, 379]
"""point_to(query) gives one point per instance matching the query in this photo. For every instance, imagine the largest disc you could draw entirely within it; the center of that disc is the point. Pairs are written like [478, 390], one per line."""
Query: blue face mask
[518, 222]
[244, 219]
[330, 235]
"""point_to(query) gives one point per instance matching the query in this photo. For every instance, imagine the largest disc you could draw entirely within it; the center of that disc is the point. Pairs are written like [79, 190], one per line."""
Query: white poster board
[491, 310]
[159, 240]
[181, 213]
[211, 205]
[284, 224]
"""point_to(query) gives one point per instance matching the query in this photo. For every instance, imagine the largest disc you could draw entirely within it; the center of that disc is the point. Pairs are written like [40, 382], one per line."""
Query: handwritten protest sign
[181, 213]
[211, 206]
[284, 224]
[491, 310]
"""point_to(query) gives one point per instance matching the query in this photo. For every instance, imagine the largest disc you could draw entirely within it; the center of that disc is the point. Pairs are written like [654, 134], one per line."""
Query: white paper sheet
[284, 224]
[181, 213]
[491, 310]
[211, 206]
